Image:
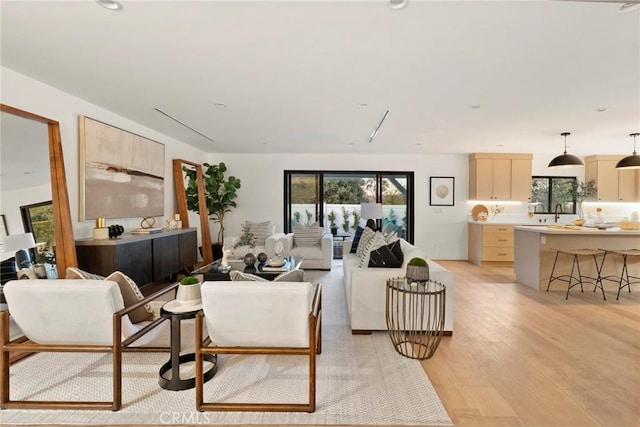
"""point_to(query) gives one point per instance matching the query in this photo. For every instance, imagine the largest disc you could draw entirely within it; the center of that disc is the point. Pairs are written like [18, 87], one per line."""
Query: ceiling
[317, 76]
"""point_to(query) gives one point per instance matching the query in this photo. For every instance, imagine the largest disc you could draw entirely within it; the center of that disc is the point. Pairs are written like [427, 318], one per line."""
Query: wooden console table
[145, 258]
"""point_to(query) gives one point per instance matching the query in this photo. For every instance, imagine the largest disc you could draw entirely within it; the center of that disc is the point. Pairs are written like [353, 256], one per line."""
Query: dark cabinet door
[166, 258]
[134, 260]
[188, 250]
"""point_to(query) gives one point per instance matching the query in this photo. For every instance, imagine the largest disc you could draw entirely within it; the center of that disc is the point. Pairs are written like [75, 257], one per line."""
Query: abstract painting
[121, 173]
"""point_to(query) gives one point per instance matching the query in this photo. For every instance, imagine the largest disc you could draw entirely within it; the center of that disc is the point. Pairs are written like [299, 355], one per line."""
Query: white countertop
[571, 229]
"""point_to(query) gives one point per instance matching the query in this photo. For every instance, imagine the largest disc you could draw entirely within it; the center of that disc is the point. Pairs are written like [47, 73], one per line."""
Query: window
[551, 192]
[335, 197]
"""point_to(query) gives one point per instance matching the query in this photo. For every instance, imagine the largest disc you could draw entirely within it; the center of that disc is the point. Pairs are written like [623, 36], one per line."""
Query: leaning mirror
[32, 173]
[180, 170]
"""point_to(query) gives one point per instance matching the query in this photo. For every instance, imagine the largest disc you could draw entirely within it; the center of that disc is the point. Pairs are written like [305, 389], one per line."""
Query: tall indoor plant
[220, 195]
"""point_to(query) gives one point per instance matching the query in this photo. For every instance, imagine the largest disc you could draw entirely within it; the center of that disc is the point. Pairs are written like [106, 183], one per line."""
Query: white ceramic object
[189, 294]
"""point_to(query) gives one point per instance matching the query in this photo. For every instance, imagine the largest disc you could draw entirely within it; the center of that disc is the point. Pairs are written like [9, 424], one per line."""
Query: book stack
[283, 268]
[151, 230]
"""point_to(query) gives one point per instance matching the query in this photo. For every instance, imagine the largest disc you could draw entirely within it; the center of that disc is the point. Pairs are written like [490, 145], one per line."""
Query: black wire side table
[415, 316]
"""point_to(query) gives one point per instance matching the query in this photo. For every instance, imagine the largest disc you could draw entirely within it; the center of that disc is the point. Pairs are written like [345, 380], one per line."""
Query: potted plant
[582, 191]
[220, 195]
[189, 291]
[417, 270]
[332, 222]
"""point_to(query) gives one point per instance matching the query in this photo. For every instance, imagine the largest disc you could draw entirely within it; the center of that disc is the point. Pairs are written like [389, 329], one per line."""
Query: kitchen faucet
[558, 207]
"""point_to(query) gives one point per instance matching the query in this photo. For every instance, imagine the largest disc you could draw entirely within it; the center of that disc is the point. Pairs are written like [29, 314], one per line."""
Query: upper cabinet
[500, 176]
[614, 185]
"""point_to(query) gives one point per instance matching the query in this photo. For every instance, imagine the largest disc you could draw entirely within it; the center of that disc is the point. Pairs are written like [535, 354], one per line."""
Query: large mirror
[33, 172]
[179, 179]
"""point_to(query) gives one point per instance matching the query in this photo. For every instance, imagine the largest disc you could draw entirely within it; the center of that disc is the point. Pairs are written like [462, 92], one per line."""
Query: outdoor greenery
[332, 219]
[247, 238]
[41, 218]
[344, 190]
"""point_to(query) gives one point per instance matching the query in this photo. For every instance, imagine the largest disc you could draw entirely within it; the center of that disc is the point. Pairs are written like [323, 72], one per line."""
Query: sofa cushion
[376, 242]
[307, 236]
[389, 256]
[131, 295]
[356, 239]
[366, 237]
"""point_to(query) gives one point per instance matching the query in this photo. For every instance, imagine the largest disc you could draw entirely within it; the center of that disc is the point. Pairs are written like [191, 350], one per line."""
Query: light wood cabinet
[500, 176]
[490, 242]
[614, 185]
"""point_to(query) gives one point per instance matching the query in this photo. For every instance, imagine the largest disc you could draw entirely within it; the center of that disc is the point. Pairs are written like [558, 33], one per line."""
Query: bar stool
[624, 275]
[569, 278]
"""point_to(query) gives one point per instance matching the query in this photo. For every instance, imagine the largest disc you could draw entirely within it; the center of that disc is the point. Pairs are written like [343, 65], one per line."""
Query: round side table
[170, 377]
[415, 316]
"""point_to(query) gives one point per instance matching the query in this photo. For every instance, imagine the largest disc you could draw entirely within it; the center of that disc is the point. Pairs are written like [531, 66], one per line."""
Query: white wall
[31, 95]
[441, 230]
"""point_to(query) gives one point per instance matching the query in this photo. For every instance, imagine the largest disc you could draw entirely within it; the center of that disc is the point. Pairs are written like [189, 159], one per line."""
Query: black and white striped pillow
[376, 242]
[365, 238]
[260, 230]
[307, 236]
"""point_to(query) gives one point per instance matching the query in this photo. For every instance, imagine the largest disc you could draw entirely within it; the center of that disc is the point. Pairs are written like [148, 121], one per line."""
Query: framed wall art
[442, 189]
[121, 173]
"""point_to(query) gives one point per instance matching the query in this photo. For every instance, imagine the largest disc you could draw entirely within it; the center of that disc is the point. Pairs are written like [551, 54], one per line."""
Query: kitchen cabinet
[500, 176]
[613, 185]
[490, 242]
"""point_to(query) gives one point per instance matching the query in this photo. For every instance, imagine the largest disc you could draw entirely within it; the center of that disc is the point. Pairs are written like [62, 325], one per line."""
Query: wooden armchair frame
[314, 347]
[22, 344]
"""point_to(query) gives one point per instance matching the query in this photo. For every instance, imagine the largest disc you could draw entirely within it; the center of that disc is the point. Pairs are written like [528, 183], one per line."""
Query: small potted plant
[417, 271]
[188, 292]
[332, 222]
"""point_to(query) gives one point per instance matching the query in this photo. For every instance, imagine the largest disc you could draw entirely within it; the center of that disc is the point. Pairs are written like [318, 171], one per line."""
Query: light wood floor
[521, 357]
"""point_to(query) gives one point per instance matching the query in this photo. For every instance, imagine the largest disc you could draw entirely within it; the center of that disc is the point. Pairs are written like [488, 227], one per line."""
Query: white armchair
[259, 318]
[315, 257]
[263, 245]
[73, 316]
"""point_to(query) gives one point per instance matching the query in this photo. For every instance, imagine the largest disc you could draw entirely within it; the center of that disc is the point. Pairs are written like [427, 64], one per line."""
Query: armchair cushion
[131, 295]
[307, 236]
[260, 230]
[76, 273]
[356, 240]
[254, 314]
[287, 276]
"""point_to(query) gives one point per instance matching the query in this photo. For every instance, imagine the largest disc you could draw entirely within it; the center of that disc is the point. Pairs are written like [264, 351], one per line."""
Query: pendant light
[632, 161]
[565, 160]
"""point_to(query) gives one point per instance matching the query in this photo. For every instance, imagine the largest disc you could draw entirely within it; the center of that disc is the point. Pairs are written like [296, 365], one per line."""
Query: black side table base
[175, 383]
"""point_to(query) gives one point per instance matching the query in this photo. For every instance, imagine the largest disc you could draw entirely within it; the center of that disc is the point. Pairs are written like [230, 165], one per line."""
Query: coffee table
[212, 272]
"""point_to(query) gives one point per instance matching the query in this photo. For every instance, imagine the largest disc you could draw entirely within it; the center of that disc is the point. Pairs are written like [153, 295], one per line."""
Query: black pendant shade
[565, 160]
[632, 161]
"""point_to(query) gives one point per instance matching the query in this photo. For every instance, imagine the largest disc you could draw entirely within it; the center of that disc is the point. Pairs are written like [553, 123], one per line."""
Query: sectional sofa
[366, 289]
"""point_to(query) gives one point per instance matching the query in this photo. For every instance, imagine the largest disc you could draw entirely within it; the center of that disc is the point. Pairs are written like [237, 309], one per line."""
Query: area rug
[360, 380]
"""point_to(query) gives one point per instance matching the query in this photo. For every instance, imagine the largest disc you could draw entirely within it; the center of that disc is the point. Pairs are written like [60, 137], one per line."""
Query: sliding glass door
[334, 199]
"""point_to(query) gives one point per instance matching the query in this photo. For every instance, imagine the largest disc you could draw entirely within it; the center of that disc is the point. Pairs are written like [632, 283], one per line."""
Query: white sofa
[315, 258]
[366, 288]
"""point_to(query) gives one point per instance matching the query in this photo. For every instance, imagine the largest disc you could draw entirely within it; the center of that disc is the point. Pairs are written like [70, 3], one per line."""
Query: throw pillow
[239, 276]
[376, 242]
[307, 236]
[260, 230]
[290, 276]
[131, 295]
[389, 256]
[356, 240]
[365, 238]
[76, 273]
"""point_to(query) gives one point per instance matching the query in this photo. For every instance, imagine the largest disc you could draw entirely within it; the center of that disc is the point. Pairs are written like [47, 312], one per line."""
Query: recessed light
[475, 107]
[397, 4]
[351, 143]
[363, 105]
[220, 105]
[499, 145]
[110, 4]
[628, 7]
[601, 109]
[418, 144]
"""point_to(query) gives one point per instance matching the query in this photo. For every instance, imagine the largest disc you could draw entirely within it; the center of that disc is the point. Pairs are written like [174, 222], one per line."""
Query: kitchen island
[535, 250]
